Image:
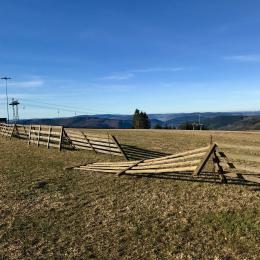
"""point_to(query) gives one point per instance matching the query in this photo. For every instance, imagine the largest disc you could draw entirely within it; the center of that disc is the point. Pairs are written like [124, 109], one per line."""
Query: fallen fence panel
[181, 163]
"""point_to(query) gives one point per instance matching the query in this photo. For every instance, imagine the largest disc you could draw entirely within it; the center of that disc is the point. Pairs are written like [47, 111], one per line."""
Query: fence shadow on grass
[136, 153]
[206, 177]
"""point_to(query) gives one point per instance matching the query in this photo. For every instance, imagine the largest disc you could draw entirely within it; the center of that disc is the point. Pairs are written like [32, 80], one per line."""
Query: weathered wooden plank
[46, 127]
[166, 170]
[44, 143]
[83, 140]
[167, 165]
[85, 144]
[82, 147]
[178, 159]
[195, 151]
[97, 138]
[119, 168]
[103, 144]
[97, 170]
[105, 148]
[119, 146]
[116, 163]
[57, 134]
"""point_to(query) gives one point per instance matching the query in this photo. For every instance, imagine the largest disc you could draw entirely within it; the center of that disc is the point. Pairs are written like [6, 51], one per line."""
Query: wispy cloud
[159, 69]
[120, 76]
[244, 58]
[132, 73]
[27, 84]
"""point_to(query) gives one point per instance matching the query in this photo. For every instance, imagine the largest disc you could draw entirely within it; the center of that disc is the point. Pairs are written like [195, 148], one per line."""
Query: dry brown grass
[92, 215]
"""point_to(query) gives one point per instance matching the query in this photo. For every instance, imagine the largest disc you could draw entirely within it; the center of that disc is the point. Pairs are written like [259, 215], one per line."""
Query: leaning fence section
[100, 143]
[7, 130]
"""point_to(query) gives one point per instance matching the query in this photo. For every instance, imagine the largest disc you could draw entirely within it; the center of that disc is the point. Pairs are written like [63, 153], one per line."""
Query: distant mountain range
[212, 120]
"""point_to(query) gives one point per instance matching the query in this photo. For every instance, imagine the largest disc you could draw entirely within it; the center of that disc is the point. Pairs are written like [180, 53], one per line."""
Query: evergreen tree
[141, 120]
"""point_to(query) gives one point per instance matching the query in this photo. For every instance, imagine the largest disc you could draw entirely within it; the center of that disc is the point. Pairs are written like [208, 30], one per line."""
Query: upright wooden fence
[49, 136]
[22, 131]
[58, 137]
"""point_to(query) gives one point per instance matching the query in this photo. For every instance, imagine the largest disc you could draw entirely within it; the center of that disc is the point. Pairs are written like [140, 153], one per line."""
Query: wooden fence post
[29, 136]
[49, 137]
[39, 133]
[61, 136]
[204, 160]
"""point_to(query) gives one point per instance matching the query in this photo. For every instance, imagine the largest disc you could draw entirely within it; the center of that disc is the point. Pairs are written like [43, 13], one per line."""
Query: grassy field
[93, 215]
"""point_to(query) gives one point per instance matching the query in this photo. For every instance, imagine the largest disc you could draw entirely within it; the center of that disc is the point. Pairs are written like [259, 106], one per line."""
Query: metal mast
[14, 105]
[6, 93]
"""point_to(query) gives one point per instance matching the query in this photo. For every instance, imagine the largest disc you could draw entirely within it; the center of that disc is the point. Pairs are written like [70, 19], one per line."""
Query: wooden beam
[29, 136]
[204, 160]
[86, 138]
[49, 137]
[61, 135]
[39, 134]
[119, 147]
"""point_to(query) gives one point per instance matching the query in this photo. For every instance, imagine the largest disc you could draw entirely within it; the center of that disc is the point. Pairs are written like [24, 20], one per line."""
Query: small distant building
[3, 120]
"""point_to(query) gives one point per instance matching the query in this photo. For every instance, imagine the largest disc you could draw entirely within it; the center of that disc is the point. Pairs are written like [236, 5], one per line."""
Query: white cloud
[132, 73]
[27, 84]
[244, 58]
[159, 69]
[119, 76]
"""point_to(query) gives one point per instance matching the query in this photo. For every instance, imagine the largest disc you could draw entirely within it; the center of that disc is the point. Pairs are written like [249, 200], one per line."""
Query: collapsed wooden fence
[63, 138]
[245, 163]
[193, 162]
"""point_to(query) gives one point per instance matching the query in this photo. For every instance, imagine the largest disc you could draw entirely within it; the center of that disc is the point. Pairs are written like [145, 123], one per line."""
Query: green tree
[141, 120]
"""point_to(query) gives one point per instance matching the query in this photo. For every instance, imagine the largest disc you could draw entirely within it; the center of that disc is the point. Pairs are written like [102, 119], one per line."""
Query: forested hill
[223, 121]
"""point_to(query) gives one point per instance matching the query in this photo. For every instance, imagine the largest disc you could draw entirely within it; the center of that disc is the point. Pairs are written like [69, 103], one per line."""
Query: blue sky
[89, 57]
